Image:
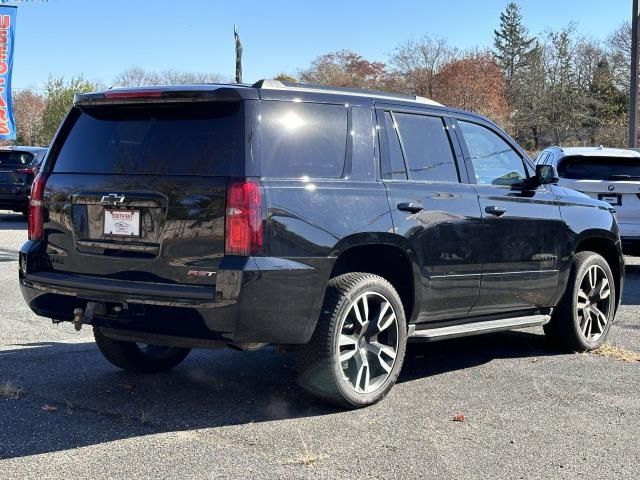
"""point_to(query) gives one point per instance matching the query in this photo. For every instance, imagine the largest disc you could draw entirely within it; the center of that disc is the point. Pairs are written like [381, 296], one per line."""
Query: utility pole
[633, 97]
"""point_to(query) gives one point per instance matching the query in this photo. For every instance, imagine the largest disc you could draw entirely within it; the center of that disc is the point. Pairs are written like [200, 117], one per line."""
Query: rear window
[193, 139]
[599, 168]
[303, 140]
[15, 158]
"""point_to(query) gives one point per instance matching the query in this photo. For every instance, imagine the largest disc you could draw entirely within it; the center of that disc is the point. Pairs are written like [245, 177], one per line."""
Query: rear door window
[194, 139]
[303, 139]
[599, 168]
[427, 149]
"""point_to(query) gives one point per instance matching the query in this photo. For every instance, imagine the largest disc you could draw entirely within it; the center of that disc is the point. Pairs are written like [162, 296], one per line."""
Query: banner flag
[7, 41]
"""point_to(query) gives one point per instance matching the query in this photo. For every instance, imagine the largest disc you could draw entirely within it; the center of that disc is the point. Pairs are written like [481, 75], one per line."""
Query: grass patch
[307, 458]
[617, 353]
[10, 391]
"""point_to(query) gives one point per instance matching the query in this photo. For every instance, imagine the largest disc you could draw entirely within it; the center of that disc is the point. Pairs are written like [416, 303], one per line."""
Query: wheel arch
[609, 248]
[386, 255]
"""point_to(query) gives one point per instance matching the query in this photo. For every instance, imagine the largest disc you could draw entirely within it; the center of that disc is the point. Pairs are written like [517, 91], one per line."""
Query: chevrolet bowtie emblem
[113, 198]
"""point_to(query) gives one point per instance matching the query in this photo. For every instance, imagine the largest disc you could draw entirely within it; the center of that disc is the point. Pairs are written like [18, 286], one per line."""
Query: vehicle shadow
[72, 398]
[12, 221]
[8, 255]
[631, 292]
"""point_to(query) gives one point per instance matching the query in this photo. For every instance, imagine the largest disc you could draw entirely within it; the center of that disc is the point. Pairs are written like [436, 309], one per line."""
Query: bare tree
[418, 62]
[28, 108]
[136, 76]
[619, 46]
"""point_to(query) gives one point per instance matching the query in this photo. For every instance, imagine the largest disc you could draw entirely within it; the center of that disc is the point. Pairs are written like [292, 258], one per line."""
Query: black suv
[18, 168]
[335, 223]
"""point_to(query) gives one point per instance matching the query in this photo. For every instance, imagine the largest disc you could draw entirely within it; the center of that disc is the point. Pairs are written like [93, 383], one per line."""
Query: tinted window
[599, 168]
[303, 139]
[493, 159]
[395, 168]
[426, 148]
[14, 158]
[201, 139]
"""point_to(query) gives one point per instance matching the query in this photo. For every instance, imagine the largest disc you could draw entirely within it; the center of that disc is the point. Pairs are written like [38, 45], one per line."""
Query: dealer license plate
[124, 223]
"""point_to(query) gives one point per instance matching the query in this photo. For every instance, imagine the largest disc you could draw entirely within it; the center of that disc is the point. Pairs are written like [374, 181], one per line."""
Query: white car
[608, 174]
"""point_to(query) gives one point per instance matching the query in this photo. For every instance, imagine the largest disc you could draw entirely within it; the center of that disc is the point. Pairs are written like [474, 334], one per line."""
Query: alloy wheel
[368, 342]
[593, 303]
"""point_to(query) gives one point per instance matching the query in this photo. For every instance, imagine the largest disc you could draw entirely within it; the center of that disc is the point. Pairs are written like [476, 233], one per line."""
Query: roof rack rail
[278, 85]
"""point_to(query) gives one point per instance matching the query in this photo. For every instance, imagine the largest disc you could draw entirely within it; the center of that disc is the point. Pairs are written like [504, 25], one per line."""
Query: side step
[476, 328]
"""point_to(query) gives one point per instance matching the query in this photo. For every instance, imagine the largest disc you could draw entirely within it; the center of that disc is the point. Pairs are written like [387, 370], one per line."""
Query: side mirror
[546, 174]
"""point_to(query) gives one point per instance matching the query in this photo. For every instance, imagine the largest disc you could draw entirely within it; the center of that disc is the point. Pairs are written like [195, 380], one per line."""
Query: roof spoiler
[162, 94]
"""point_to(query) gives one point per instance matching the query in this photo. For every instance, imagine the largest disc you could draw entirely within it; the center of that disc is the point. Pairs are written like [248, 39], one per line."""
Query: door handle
[497, 211]
[413, 207]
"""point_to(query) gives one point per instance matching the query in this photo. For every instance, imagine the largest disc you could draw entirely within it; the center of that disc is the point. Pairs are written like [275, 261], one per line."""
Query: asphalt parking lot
[529, 412]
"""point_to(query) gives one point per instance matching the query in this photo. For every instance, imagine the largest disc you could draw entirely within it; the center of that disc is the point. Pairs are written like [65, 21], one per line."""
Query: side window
[303, 140]
[394, 168]
[427, 149]
[493, 159]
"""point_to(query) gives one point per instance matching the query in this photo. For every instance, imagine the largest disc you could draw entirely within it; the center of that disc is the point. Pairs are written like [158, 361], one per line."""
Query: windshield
[599, 168]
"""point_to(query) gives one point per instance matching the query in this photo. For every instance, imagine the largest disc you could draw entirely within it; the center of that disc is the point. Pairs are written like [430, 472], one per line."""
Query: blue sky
[100, 38]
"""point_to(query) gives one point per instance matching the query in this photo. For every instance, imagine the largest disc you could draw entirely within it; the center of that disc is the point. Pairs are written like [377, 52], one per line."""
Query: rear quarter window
[185, 139]
[303, 139]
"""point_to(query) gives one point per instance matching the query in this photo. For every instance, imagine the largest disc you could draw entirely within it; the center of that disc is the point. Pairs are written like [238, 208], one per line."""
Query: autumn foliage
[473, 83]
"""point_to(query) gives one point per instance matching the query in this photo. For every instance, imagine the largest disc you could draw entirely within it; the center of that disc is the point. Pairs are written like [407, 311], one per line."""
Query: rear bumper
[254, 300]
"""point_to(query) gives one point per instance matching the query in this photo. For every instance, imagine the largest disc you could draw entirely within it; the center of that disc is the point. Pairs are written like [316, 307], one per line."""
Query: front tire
[356, 352]
[582, 320]
[138, 358]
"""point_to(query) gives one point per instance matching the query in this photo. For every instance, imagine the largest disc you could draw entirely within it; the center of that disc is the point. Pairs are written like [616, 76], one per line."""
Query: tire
[134, 357]
[575, 325]
[372, 345]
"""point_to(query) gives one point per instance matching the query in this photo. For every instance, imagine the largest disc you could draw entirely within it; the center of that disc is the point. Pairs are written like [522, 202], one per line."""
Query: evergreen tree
[512, 46]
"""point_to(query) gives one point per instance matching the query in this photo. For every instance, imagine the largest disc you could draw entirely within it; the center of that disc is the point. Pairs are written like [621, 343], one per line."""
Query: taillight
[28, 171]
[36, 231]
[243, 233]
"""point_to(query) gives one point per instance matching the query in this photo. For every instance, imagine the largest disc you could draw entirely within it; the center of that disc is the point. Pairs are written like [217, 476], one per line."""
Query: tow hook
[81, 316]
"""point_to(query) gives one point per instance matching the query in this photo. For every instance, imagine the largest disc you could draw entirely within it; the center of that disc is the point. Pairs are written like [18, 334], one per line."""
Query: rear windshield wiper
[624, 177]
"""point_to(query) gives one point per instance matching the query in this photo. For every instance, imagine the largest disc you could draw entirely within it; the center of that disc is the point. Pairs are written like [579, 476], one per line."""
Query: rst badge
[200, 273]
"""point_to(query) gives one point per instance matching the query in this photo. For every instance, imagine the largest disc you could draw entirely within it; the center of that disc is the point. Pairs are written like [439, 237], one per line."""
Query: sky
[101, 38]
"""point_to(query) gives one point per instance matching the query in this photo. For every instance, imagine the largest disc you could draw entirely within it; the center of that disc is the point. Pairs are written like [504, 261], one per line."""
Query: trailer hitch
[85, 315]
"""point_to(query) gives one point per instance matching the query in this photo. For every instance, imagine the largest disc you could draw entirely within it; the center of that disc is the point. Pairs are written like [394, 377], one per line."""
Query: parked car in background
[608, 174]
[335, 223]
[18, 167]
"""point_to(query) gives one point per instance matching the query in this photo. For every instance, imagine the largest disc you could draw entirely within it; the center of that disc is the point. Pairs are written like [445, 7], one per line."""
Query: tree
[345, 68]
[137, 76]
[474, 82]
[607, 105]
[513, 47]
[285, 77]
[28, 108]
[619, 46]
[417, 63]
[59, 99]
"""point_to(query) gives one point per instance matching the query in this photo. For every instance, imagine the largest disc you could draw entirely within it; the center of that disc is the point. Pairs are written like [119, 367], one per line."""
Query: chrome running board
[475, 328]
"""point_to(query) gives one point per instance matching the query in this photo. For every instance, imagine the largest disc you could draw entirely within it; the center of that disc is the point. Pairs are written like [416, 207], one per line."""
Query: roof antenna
[238, 55]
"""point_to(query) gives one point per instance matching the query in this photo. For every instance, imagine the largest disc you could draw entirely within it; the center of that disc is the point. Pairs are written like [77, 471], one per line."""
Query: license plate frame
[609, 197]
[121, 223]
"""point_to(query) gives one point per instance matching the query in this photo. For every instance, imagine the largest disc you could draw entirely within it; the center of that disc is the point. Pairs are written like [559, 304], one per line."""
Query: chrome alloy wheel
[594, 303]
[368, 342]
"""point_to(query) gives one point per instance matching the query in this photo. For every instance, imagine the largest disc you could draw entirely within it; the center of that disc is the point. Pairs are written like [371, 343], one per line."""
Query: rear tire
[356, 352]
[134, 357]
[582, 320]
